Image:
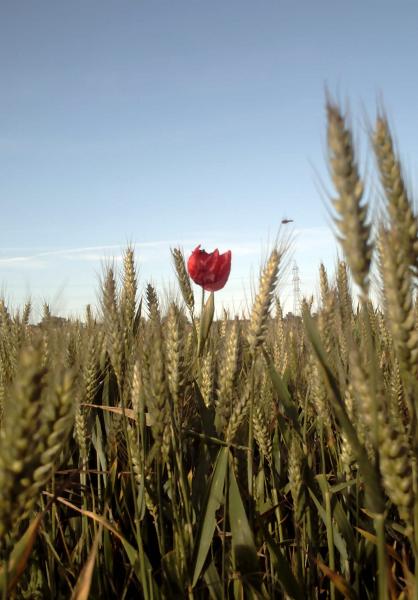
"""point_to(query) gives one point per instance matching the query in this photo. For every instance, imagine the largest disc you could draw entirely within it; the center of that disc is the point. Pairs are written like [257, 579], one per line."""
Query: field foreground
[162, 454]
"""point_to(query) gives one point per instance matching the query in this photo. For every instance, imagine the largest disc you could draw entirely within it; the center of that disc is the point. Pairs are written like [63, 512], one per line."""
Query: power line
[296, 288]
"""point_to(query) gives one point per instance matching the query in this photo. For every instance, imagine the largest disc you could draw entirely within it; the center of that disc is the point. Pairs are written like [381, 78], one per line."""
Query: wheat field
[150, 453]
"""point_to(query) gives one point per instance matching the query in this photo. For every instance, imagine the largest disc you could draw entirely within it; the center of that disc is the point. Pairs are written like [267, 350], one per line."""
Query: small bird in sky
[286, 221]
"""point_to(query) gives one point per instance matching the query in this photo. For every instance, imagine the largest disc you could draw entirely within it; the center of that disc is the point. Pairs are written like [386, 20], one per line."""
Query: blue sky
[183, 122]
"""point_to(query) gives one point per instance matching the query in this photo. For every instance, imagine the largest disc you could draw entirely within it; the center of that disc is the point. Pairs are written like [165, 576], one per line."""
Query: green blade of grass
[285, 576]
[208, 521]
[243, 545]
[213, 581]
[290, 408]
[20, 556]
[338, 540]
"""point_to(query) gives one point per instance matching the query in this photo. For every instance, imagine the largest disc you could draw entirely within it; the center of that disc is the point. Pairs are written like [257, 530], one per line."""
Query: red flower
[210, 270]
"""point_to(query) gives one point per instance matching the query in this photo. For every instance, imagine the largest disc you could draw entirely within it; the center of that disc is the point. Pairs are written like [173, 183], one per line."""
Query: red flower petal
[209, 270]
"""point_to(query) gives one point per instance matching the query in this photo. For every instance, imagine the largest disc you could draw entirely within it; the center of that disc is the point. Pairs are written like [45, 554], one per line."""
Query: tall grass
[162, 454]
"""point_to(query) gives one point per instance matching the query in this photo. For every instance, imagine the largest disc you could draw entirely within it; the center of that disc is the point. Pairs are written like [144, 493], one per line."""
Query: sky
[175, 123]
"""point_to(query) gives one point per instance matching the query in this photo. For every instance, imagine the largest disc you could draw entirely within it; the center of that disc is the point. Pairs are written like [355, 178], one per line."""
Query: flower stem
[203, 303]
[250, 436]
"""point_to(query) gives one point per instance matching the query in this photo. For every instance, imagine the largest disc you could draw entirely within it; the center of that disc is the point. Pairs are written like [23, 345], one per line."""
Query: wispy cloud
[84, 253]
[26, 262]
[111, 251]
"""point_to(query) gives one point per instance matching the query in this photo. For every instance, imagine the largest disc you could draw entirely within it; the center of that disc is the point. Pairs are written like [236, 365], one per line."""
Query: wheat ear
[261, 307]
[351, 213]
